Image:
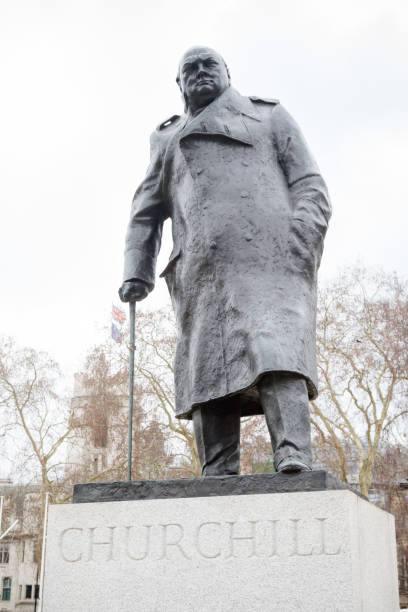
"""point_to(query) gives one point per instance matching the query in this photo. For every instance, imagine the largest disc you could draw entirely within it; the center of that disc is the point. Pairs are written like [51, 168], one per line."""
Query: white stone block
[327, 551]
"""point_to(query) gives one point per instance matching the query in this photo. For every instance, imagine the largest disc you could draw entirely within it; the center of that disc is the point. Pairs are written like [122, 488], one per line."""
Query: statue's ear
[184, 98]
[228, 73]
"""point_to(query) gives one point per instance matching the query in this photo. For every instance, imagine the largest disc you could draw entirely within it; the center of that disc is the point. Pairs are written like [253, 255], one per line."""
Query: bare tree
[362, 351]
[35, 416]
[103, 419]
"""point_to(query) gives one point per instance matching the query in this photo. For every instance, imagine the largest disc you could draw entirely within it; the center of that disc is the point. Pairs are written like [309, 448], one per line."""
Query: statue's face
[203, 76]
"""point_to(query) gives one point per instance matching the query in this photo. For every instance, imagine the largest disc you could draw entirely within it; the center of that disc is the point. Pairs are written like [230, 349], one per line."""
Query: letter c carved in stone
[62, 542]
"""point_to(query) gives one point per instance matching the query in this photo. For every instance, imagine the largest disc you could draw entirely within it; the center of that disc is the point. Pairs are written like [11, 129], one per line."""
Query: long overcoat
[249, 213]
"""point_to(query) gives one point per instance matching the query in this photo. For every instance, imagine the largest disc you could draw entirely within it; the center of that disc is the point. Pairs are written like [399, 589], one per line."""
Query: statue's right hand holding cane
[133, 290]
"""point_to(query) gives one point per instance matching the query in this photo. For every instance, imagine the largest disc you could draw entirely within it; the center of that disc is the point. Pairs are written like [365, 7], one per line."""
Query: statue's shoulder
[162, 134]
[259, 100]
[165, 126]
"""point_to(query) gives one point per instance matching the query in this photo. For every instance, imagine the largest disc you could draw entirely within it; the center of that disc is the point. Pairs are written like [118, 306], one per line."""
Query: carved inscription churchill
[306, 551]
[263, 538]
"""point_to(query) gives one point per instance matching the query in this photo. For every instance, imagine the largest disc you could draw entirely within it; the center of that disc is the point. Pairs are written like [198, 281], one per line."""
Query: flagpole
[132, 315]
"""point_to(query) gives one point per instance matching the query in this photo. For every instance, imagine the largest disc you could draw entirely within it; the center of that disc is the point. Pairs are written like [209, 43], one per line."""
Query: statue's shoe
[293, 465]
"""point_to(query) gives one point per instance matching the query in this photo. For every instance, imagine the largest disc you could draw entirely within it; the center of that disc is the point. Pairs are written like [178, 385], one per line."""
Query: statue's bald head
[202, 76]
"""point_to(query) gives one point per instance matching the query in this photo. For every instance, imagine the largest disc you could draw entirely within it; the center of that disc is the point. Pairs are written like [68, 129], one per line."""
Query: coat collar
[224, 117]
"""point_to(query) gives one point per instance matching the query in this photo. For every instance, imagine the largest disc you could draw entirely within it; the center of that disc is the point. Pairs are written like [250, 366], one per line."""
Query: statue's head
[202, 76]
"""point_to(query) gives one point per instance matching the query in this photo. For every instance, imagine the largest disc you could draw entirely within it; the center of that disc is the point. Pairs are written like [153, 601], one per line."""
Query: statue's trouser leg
[216, 430]
[285, 403]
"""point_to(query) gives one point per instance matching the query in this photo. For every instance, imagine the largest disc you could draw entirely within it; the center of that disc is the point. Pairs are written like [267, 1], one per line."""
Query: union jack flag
[118, 315]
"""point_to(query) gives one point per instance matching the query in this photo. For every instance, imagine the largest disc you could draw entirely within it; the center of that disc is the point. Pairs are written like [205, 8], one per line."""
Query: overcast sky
[85, 82]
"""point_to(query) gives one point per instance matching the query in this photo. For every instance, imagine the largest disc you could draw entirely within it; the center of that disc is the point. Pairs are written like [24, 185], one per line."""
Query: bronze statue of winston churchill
[249, 213]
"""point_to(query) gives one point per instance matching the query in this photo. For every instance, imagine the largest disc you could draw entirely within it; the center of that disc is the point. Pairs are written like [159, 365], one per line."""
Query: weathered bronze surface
[249, 213]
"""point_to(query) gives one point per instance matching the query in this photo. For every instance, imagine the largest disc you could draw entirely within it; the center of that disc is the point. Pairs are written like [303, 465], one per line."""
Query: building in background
[100, 424]
[19, 577]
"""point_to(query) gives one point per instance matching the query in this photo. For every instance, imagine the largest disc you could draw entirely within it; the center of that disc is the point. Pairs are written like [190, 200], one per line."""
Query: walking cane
[132, 314]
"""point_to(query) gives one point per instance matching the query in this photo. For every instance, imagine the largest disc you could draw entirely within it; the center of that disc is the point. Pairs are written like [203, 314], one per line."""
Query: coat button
[199, 170]
[213, 244]
[244, 194]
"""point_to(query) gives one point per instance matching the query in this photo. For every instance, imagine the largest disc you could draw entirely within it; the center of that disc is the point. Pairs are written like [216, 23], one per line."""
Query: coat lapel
[224, 117]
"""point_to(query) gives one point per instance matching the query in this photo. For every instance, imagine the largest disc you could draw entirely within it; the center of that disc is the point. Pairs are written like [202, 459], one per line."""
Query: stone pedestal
[311, 551]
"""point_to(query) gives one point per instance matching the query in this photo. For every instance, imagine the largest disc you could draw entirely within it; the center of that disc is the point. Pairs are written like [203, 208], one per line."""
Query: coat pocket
[175, 254]
[305, 247]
